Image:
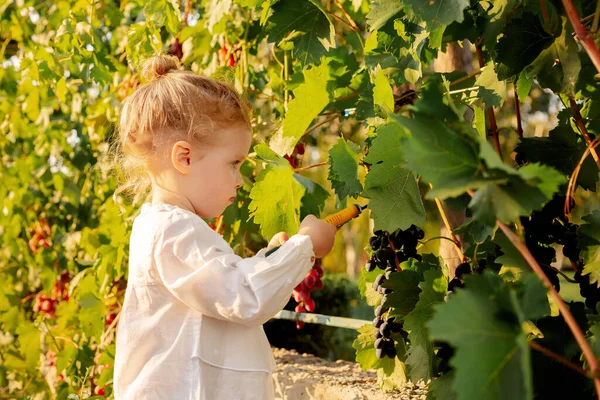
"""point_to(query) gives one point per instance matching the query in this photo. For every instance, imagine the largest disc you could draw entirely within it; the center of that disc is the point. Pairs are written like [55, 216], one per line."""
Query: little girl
[191, 323]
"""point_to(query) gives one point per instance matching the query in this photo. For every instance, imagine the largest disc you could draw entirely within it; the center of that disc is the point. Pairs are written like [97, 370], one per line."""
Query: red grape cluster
[296, 156]
[47, 304]
[301, 293]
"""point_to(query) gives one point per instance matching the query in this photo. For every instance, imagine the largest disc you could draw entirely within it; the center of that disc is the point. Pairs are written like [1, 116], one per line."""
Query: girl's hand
[278, 239]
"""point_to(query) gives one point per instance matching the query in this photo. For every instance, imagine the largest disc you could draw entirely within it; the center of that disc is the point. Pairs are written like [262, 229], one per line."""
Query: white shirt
[190, 298]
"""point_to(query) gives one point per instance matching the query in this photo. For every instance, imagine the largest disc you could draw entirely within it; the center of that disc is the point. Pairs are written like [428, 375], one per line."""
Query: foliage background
[328, 73]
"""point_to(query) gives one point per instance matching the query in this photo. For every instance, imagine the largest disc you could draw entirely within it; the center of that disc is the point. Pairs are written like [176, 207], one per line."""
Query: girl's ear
[181, 156]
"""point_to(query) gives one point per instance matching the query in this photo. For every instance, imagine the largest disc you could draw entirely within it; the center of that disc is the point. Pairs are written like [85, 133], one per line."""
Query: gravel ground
[304, 376]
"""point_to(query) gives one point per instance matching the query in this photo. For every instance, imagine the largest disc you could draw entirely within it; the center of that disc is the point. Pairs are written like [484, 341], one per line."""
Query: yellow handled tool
[338, 219]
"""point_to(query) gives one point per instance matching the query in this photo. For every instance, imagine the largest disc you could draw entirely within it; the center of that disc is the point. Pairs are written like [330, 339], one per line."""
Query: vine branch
[457, 245]
[585, 38]
[575, 175]
[491, 114]
[310, 166]
[569, 364]
[518, 109]
[581, 125]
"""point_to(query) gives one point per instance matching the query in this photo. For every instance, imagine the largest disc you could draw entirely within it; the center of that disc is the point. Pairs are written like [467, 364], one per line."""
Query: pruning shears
[338, 219]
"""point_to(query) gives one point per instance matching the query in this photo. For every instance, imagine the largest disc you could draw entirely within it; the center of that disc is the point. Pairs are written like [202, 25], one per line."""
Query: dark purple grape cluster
[389, 250]
[459, 276]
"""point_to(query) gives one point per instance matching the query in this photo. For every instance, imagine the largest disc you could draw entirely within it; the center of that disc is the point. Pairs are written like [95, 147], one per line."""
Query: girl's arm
[200, 269]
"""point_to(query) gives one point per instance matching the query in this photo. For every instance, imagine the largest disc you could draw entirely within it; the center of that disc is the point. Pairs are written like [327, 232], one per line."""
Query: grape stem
[457, 245]
[336, 115]
[575, 175]
[491, 115]
[546, 15]
[585, 37]
[518, 109]
[310, 166]
[466, 77]
[51, 335]
[536, 346]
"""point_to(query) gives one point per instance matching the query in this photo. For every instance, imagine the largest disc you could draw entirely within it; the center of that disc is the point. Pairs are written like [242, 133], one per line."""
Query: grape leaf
[533, 299]
[441, 388]
[589, 242]
[558, 66]
[397, 204]
[491, 91]
[385, 156]
[523, 41]
[444, 157]
[314, 198]
[405, 295]
[437, 13]
[484, 318]
[304, 23]
[381, 12]
[524, 84]
[365, 286]
[365, 350]
[519, 196]
[276, 198]
[29, 343]
[562, 149]
[309, 100]
[382, 92]
[497, 17]
[343, 170]
[420, 360]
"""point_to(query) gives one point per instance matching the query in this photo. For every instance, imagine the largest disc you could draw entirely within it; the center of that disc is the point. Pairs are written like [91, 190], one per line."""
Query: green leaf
[474, 229]
[437, 13]
[381, 12]
[441, 388]
[484, 318]
[589, 242]
[29, 344]
[382, 92]
[365, 350]
[443, 156]
[172, 19]
[533, 300]
[343, 170]
[524, 84]
[492, 92]
[397, 204]
[385, 156]
[310, 98]
[559, 76]
[420, 360]
[314, 197]
[306, 24]
[499, 14]
[406, 290]
[365, 285]
[511, 257]
[562, 149]
[523, 41]
[276, 198]
[520, 195]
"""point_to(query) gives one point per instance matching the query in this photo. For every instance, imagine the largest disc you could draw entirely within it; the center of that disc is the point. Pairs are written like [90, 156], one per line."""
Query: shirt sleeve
[200, 269]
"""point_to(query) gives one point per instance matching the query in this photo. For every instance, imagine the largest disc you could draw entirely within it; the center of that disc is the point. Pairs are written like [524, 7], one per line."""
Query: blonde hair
[174, 104]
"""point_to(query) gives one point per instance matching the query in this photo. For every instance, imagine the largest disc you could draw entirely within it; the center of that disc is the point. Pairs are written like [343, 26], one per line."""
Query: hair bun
[157, 66]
